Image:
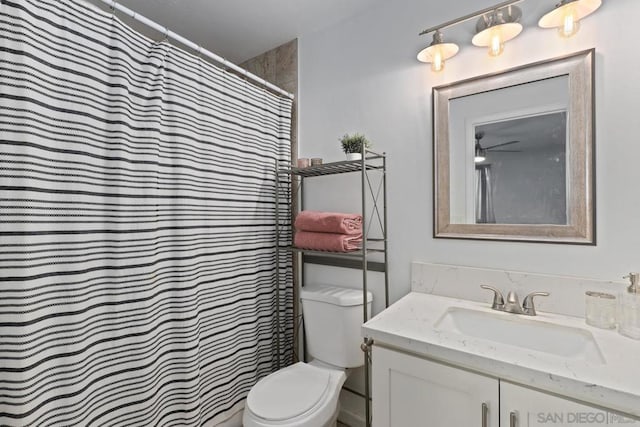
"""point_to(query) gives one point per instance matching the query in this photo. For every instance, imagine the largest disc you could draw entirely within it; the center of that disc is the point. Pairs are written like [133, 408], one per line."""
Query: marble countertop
[408, 325]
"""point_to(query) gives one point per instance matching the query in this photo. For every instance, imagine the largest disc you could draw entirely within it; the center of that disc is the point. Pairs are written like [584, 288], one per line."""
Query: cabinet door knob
[513, 419]
[485, 415]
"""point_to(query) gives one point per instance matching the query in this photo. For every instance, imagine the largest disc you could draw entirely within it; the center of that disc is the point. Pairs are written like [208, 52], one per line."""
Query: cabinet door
[523, 407]
[408, 391]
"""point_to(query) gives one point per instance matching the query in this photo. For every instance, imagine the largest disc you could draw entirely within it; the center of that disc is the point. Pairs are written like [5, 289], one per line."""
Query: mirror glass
[511, 167]
[513, 154]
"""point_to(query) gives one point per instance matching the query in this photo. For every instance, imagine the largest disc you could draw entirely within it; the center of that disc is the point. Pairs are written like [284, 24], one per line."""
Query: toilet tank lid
[334, 295]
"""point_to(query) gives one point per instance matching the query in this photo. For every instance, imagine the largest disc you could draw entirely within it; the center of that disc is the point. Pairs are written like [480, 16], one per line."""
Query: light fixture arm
[470, 16]
[437, 38]
[499, 16]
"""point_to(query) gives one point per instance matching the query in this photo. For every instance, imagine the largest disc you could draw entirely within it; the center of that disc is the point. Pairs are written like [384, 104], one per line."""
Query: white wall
[362, 75]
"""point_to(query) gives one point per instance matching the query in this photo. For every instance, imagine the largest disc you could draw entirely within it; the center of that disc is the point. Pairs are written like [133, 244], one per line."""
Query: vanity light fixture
[497, 25]
[567, 15]
[496, 28]
[437, 52]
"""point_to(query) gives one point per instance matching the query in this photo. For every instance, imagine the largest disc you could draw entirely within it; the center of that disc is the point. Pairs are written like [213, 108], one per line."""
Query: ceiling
[238, 30]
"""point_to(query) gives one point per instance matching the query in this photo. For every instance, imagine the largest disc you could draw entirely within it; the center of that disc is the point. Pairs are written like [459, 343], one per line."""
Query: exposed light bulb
[437, 52]
[567, 15]
[479, 159]
[570, 25]
[496, 28]
[437, 63]
[496, 47]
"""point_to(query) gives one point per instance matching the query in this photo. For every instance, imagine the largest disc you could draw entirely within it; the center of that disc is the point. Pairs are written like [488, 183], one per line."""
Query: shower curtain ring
[166, 33]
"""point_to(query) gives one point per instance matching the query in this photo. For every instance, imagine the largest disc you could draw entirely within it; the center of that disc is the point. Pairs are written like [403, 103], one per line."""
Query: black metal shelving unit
[373, 192]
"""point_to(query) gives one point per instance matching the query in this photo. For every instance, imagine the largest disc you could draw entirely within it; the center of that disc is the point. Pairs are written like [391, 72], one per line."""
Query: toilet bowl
[306, 394]
[301, 395]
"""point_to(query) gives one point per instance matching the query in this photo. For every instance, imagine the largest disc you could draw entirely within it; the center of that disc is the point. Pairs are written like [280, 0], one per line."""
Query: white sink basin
[515, 330]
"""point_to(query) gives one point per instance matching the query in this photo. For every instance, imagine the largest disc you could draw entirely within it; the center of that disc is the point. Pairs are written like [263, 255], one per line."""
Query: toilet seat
[288, 393]
[301, 395]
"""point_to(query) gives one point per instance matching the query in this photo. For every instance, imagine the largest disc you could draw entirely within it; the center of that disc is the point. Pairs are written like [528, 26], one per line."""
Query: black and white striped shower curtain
[137, 214]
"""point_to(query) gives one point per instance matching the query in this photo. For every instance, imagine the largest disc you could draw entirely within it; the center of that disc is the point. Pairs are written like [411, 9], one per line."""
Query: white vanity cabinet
[408, 391]
[411, 391]
[523, 407]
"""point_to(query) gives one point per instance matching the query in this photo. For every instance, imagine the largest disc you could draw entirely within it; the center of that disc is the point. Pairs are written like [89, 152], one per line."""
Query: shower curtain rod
[177, 37]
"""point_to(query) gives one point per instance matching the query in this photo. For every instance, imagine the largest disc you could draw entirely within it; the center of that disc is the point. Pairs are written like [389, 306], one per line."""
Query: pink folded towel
[327, 241]
[329, 222]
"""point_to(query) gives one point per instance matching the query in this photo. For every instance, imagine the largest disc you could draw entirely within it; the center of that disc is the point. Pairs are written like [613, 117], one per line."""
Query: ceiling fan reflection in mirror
[481, 152]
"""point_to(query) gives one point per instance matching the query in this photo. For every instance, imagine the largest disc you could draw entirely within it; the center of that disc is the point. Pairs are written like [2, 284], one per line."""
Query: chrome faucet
[512, 305]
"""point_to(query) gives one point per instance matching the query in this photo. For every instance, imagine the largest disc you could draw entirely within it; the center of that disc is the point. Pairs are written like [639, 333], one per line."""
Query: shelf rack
[373, 192]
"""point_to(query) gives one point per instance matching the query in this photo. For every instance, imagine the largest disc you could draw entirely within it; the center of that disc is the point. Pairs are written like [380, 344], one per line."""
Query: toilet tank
[332, 320]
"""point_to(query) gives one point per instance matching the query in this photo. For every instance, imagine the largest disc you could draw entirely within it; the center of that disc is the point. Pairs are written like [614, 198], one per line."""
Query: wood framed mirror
[514, 154]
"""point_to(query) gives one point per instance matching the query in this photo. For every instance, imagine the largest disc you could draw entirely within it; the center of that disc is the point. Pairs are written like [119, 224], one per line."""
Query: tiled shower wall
[280, 67]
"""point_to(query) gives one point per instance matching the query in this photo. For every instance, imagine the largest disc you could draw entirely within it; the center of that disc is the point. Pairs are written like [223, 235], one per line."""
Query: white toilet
[306, 394]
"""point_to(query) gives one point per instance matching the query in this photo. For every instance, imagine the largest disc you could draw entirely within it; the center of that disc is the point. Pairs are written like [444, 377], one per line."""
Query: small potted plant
[352, 145]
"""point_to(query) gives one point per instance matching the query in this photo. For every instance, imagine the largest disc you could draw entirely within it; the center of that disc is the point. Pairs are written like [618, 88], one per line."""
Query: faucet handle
[498, 299]
[528, 306]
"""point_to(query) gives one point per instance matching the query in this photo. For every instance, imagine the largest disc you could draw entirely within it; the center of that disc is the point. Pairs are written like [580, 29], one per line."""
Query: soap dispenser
[629, 319]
